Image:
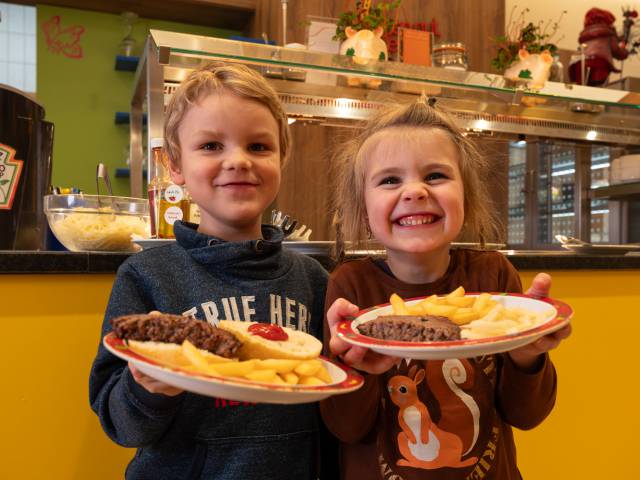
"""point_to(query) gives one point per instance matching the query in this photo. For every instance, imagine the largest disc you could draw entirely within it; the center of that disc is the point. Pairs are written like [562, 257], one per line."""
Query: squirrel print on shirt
[423, 443]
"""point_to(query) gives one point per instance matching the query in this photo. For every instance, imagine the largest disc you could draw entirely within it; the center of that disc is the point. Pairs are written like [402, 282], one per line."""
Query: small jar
[450, 55]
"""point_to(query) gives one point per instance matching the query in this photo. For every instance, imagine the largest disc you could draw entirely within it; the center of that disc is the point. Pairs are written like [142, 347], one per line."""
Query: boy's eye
[258, 147]
[212, 146]
[390, 180]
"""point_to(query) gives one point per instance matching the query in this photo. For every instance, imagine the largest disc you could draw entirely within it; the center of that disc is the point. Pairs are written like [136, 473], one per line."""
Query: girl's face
[413, 192]
[230, 163]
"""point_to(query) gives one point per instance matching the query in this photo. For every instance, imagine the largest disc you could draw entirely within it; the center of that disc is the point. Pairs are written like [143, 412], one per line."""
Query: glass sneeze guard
[180, 46]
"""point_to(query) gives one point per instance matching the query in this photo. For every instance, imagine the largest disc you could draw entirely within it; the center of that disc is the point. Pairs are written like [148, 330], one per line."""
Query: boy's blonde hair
[350, 216]
[215, 77]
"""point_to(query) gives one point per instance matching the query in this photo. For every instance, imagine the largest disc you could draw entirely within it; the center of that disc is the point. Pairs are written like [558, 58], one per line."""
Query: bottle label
[172, 214]
[10, 170]
[173, 193]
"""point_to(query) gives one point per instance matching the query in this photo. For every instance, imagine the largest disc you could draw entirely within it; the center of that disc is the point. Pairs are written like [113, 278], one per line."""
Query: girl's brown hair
[215, 77]
[348, 206]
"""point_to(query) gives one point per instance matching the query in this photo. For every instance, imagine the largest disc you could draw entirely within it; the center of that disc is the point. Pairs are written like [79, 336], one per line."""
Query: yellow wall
[593, 430]
[50, 331]
[50, 328]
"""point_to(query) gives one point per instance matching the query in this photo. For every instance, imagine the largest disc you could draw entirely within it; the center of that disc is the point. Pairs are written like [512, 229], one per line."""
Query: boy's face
[230, 163]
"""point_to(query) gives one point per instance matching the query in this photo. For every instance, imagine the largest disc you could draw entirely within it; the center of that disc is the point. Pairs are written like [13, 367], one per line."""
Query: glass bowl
[97, 223]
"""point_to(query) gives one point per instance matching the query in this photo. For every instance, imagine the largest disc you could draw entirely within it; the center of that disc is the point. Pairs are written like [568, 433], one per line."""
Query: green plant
[365, 16]
[534, 38]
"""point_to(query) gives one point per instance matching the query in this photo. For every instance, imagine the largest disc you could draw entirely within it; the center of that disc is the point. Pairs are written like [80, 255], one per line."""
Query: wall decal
[63, 40]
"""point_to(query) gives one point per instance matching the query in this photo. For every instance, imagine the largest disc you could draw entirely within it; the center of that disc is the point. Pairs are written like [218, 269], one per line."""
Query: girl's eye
[258, 147]
[212, 146]
[390, 180]
[435, 176]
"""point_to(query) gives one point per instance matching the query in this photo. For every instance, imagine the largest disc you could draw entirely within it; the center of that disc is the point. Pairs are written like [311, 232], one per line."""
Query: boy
[227, 137]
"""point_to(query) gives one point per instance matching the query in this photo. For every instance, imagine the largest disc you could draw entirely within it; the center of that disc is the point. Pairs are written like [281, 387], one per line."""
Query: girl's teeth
[417, 220]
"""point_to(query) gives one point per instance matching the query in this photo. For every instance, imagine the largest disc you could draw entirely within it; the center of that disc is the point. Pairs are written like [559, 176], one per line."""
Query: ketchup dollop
[268, 331]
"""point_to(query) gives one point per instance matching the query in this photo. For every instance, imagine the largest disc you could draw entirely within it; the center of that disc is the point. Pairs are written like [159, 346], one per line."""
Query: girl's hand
[151, 384]
[359, 358]
[525, 357]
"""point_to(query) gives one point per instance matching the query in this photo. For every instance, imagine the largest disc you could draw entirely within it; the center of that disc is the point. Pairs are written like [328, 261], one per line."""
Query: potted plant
[526, 52]
[361, 32]
[362, 29]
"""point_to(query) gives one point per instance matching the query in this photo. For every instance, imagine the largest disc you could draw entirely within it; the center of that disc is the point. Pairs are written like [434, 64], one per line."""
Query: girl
[413, 182]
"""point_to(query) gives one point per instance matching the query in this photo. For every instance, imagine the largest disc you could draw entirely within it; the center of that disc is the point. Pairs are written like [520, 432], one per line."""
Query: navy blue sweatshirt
[193, 436]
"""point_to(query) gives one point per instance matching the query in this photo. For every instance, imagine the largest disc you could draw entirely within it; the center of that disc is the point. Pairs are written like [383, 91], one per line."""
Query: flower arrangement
[534, 38]
[366, 16]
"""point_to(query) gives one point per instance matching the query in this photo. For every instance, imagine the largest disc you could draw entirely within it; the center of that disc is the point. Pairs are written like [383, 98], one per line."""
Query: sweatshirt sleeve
[130, 415]
[525, 399]
[351, 416]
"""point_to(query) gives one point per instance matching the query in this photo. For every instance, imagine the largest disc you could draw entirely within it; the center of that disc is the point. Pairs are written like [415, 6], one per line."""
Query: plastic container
[450, 55]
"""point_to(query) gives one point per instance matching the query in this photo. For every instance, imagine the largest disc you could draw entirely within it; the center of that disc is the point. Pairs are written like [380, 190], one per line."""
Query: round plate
[558, 315]
[344, 380]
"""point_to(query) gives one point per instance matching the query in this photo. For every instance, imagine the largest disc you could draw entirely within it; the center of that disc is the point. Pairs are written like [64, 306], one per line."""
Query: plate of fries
[261, 381]
[489, 323]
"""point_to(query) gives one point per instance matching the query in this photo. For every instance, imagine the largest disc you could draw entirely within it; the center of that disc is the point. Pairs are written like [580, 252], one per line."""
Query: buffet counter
[53, 304]
[72, 262]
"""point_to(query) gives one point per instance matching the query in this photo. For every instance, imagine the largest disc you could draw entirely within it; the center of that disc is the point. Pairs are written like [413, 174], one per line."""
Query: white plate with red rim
[344, 380]
[557, 314]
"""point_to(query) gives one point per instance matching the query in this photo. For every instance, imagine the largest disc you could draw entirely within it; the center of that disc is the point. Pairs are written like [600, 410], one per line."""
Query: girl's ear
[176, 174]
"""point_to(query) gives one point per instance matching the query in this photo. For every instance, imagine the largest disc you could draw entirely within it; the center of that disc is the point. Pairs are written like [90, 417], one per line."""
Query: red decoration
[603, 45]
[63, 40]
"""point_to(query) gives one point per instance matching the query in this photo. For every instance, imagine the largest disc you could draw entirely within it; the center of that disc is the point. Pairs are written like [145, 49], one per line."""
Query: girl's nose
[236, 158]
[415, 191]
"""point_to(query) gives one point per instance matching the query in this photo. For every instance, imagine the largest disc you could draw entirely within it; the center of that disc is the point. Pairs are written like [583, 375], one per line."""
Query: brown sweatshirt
[446, 419]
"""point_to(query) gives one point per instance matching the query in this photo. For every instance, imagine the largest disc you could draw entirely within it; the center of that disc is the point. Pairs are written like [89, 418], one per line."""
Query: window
[18, 46]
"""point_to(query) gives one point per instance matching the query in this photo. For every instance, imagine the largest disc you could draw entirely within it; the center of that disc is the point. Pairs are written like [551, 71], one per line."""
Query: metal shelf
[482, 103]
[622, 191]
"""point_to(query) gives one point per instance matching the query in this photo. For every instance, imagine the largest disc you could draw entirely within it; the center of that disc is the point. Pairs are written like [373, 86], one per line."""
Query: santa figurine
[601, 44]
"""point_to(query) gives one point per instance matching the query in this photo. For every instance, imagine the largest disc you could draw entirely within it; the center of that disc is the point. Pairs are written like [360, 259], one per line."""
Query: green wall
[81, 96]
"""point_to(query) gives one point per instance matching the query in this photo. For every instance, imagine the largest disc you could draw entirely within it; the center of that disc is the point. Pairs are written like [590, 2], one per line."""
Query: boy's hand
[525, 357]
[359, 358]
[151, 384]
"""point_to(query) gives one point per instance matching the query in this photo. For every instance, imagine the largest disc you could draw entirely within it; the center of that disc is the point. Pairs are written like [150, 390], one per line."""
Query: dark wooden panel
[307, 180]
[472, 23]
[231, 14]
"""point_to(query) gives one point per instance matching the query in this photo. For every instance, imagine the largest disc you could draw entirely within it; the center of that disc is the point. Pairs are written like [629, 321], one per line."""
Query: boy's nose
[236, 159]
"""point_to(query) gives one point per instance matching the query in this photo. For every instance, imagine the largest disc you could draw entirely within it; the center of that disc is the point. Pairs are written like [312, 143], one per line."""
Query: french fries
[479, 316]
[274, 370]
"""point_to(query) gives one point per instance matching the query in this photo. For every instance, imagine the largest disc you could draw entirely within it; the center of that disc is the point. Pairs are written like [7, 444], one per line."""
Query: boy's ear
[176, 174]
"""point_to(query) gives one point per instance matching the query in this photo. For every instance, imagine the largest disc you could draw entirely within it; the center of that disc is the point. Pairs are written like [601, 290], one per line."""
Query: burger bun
[299, 345]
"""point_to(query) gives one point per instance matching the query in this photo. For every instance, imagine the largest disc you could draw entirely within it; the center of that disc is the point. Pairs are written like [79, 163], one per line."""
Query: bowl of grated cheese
[97, 223]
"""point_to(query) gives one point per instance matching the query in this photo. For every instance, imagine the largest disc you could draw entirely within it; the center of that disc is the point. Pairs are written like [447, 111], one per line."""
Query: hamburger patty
[411, 328]
[176, 329]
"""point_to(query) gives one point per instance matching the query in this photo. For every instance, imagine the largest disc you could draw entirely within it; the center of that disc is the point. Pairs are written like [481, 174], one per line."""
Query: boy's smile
[230, 163]
[413, 193]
